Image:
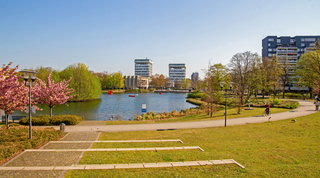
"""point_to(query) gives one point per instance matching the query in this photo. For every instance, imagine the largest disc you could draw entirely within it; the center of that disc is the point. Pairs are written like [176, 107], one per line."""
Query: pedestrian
[317, 105]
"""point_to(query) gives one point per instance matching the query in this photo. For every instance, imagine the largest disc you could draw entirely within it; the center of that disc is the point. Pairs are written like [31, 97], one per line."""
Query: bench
[17, 118]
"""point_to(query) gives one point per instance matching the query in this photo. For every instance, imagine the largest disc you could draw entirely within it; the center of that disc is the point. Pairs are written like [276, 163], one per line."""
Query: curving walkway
[305, 108]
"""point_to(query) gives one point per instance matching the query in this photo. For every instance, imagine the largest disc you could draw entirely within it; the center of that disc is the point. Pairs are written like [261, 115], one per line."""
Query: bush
[276, 101]
[44, 120]
[196, 95]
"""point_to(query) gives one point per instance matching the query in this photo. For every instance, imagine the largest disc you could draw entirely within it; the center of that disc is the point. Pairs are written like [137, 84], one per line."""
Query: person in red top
[267, 106]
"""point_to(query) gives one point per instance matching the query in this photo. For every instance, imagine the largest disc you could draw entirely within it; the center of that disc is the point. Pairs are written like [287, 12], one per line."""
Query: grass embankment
[16, 139]
[271, 149]
[231, 114]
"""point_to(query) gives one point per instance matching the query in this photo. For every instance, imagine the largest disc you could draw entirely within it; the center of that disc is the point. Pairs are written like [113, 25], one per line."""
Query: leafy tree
[51, 94]
[214, 75]
[308, 69]
[269, 75]
[285, 75]
[85, 84]
[159, 80]
[105, 79]
[118, 80]
[155, 81]
[185, 83]
[13, 94]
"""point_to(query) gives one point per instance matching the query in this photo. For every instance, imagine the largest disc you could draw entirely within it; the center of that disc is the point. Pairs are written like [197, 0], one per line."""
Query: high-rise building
[177, 72]
[288, 50]
[288, 47]
[143, 67]
[195, 77]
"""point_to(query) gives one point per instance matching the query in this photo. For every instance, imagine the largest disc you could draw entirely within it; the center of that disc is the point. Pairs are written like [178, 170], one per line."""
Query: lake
[120, 105]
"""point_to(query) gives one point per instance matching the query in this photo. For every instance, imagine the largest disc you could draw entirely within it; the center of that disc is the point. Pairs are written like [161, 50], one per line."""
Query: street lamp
[32, 76]
[225, 114]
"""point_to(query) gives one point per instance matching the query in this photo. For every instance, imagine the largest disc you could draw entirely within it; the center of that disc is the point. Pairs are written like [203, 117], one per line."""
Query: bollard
[62, 127]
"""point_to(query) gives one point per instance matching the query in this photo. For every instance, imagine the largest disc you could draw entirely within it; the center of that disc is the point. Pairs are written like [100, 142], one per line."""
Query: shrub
[43, 120]
[276, 101]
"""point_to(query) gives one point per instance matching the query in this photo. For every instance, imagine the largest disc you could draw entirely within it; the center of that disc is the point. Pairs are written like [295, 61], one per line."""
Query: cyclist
[267, 106]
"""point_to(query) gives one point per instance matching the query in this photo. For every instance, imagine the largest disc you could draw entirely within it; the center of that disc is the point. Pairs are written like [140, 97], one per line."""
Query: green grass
[271, 149]
[231, 114]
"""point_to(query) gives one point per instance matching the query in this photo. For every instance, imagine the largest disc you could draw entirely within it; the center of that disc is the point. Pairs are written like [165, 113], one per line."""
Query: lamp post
[225, 114]
[32, 76]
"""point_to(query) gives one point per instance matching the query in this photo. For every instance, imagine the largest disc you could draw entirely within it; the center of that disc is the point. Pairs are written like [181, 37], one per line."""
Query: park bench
[17, 118]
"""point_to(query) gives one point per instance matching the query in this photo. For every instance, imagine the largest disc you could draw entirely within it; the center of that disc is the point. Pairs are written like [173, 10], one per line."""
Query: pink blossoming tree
[53, 94]
[13, 94]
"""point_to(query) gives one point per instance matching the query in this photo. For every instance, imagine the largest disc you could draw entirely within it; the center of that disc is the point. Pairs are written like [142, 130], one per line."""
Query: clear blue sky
[107, 35]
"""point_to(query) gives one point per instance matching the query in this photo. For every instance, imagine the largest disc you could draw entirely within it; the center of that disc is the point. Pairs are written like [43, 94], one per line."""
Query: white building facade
[143, 67]
[177, 72]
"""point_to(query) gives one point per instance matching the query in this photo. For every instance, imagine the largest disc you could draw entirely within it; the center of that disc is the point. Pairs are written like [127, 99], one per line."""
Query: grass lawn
[231, 113]
[271, 149]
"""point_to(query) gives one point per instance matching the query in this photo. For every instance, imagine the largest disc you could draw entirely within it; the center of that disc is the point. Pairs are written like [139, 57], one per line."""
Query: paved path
[124, 166]
[305, 108]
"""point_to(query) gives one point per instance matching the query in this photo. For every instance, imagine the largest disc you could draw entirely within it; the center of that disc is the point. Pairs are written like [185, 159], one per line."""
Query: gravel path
[67, 146]
[81, 136]
[53, 158]
[67, 158]
[28, 174]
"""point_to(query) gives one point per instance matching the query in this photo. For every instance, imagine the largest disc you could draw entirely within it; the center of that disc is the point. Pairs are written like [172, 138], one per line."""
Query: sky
[107, 35]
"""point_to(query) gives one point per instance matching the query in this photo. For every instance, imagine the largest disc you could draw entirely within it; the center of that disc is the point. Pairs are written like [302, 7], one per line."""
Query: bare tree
[244, 72]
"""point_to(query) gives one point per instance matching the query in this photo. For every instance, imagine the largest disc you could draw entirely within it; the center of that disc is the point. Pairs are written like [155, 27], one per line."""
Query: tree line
[248, 73]
[85, 84]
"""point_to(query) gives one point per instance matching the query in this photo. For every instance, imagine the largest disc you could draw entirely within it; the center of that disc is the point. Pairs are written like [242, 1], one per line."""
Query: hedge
[44, 120]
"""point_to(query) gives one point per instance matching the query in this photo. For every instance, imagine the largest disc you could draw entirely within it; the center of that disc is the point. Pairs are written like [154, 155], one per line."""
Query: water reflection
[120, 104]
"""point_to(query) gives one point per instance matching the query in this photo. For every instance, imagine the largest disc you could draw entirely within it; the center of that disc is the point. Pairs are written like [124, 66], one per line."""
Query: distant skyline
[109, 35]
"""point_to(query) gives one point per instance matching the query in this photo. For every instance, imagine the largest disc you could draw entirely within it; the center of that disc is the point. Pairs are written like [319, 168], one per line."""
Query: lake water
[121, 105]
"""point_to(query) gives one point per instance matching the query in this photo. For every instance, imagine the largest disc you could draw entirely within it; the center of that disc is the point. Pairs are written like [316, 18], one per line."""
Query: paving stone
[49, 168]
[67, 145]
[216, 161]
[28, 174]
[147, 149]
[70, 167]
[228, 161]
[203, 163]
[11, 168]
[65, 158]
[128, 166]
[189, 163]
[81, 136]
[155, 165]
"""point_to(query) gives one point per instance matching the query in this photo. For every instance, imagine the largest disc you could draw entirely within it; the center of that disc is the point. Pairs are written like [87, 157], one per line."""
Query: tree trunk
[7, 121]
[50, 111]
[211, 109]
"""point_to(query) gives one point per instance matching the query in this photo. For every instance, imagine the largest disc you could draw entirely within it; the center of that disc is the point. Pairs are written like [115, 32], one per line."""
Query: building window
[302, 39]
[303, 45]
[269, 54]
[270, 49]
[278, 40]
[269, 44]
[270, 39]
[310, 39]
